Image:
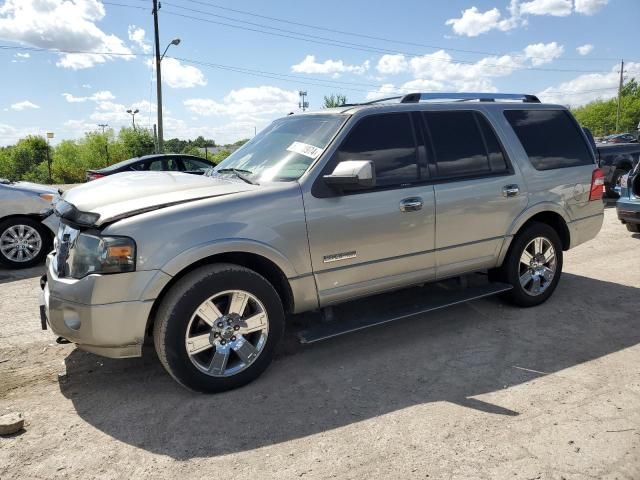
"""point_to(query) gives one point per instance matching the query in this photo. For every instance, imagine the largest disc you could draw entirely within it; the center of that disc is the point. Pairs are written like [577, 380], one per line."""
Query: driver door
[368, 241]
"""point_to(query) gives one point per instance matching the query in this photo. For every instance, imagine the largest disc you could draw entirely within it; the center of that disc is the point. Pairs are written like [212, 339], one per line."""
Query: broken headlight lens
[97, 254]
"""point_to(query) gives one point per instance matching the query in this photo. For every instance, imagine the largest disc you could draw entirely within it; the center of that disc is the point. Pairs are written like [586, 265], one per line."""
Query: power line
[320, 82]
[335, 43]
[372, 37]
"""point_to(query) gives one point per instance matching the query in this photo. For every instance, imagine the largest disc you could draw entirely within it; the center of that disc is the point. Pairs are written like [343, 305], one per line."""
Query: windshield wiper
[240, 173]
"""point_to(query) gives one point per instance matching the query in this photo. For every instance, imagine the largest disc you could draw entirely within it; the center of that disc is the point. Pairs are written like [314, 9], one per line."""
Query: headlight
[48, 197]
[96, 254]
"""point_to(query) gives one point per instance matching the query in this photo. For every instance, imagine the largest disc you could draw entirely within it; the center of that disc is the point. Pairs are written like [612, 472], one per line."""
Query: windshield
[284, 150]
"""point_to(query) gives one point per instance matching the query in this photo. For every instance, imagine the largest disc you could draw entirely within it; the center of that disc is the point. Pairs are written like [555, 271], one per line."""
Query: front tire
[24, 242]
[218, 328]
[533, 265]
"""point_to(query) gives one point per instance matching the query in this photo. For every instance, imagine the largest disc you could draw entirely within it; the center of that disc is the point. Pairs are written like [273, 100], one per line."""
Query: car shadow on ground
[11, 275]
[452, 355]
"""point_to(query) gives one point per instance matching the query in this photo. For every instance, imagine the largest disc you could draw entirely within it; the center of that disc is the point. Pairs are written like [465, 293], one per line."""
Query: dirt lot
[481, 390]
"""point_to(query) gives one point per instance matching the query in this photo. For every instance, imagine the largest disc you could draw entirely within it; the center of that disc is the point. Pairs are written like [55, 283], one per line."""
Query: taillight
[597, 185]
[95, 176]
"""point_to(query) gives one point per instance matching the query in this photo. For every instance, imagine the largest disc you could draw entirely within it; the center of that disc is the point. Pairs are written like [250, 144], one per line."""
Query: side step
[389, 307]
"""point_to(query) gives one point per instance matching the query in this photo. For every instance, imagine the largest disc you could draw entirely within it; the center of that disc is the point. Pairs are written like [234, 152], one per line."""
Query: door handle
[411, 204]
[510, 190]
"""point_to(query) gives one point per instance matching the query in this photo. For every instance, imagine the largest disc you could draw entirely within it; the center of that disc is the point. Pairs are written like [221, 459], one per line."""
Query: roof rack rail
[464, 97]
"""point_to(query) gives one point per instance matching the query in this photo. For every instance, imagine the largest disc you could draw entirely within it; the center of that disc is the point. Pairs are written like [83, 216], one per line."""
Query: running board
[389, 307]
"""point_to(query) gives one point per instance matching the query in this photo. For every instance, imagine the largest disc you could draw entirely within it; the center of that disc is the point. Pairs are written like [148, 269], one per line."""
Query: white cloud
[64, 25]
[585, 49]
[137, 36]
[102, 95]
[588, 87]
[541, 53]
[250, 104]
[328, 67]
[473, 22]
[386, 90]
[22, 55]
[177, 75]
[590, 7]
[24, 105]
[439, 72]
[392, 64]
[116, 113]
[556, 8]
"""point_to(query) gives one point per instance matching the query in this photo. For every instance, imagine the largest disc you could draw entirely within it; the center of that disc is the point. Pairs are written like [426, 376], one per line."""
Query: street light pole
[158, 74]
[133, 116]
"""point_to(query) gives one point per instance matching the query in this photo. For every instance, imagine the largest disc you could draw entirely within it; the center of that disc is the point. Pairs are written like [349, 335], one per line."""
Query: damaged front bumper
[85, 312]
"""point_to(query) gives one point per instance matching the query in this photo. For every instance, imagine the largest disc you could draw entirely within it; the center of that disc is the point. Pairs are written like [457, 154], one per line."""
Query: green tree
[193, 150]
[175, 145]
[135, 143]
[600, 116]
[68, 165]
[239, 143]
[25, 156]
[334, 100]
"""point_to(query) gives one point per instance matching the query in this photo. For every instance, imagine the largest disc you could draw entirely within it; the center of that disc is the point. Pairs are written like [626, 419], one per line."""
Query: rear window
[551, 138]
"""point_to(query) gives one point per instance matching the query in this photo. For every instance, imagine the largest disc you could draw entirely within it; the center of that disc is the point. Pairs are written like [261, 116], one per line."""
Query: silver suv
[319, 209]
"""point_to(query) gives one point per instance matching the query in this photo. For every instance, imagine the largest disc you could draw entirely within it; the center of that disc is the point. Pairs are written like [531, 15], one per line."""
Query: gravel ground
[481, 390]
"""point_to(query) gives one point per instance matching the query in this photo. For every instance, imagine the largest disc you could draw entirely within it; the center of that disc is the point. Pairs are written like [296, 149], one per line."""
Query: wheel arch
[550, 215]
[253, 261]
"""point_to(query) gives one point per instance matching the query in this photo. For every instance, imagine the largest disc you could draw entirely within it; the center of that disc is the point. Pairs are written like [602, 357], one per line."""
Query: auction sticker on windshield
[305, 149]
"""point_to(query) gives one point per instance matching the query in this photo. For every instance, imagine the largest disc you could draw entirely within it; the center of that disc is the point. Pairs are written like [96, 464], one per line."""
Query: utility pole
[303, 104]
[49, 136]
[158, 75]
[103, 126]
[620, 96]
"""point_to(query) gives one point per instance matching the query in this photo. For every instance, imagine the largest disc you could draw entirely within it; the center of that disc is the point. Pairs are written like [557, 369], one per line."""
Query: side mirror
[352, 174]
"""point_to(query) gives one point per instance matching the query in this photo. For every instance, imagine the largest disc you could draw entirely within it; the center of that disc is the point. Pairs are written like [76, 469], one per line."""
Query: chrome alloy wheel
[224, 344]
[20, 243]
[537, 266]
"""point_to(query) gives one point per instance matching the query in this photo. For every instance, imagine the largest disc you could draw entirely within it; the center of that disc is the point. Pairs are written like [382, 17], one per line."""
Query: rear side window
[551, 138]
[463, 144]
[388, 141]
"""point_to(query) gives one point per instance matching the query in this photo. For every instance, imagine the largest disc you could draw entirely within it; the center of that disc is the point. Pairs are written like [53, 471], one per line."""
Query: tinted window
[388, 141]
[191, 164]
[550, 137]
[172, 164]
[156, 165]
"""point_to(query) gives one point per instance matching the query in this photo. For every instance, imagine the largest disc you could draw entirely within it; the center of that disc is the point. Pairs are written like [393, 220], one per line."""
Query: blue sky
[564, 50]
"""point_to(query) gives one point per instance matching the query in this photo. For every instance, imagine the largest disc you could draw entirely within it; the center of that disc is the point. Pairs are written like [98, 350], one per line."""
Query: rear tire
[633, 227]
[533, 265]
[218, 328]
[24, 242]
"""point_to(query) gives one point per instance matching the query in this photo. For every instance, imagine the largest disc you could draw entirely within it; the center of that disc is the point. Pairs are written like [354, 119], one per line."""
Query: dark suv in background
[158, 163]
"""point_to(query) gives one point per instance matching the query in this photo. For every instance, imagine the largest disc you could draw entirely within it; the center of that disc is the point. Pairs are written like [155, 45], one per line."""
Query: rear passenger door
[478, 192]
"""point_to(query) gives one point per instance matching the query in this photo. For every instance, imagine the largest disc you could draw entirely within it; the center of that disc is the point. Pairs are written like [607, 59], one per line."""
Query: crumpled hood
[123, 194]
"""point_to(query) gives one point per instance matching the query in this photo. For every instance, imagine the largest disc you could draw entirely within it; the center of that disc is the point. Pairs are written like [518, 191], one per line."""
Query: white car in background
[24, 240]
